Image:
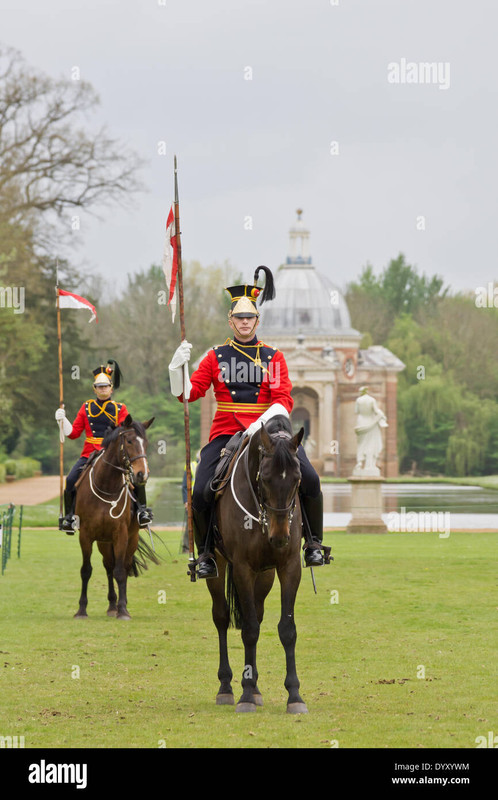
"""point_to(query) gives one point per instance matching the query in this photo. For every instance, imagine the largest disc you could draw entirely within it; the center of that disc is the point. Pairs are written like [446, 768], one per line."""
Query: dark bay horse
[259, 526]
[107, 515]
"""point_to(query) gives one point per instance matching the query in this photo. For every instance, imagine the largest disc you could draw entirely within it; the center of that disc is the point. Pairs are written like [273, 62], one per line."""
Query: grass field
[396, 650]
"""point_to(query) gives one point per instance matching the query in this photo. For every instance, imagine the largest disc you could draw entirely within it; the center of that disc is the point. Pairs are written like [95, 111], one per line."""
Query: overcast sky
[272, 105]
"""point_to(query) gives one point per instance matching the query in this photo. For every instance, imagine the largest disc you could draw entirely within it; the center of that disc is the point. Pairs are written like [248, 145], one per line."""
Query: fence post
[19, 532]
[6, 535]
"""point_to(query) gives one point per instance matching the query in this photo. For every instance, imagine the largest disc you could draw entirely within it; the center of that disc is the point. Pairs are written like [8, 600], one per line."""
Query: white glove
[178, 371]
[63, 422]
[276, 408]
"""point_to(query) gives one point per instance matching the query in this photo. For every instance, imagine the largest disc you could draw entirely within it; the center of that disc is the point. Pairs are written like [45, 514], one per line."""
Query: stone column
[327, 429]
[366, 504]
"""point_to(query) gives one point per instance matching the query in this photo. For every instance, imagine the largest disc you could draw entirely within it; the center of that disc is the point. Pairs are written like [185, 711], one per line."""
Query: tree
[375, 302]
[50, 163]
[137, 330]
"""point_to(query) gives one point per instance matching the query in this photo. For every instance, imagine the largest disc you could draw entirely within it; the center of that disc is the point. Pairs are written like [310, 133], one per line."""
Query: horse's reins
[262, 506]
[127, 473]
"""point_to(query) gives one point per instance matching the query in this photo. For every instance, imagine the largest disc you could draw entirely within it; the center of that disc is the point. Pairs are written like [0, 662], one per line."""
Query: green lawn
[396, 649]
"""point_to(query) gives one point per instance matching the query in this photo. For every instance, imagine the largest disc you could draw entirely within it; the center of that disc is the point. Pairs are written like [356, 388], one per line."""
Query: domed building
[309, 322]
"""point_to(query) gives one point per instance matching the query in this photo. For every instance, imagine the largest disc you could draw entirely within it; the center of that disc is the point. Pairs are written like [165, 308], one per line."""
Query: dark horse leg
[108, 561]
[221, 619]
[122, 548]
[290, 577]
[85, 572]
[264, 582]
[252, 590]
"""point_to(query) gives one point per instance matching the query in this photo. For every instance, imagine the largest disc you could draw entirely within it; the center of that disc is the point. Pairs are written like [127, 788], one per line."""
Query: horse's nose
[140, 477]
[279, 539]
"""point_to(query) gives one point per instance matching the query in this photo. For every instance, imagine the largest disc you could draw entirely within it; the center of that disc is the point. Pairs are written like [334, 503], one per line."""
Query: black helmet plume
[116, 373]
[269, 289]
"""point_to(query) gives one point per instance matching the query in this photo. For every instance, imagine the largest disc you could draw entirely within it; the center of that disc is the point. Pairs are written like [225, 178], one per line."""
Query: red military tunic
[94, 417]
[246, 379]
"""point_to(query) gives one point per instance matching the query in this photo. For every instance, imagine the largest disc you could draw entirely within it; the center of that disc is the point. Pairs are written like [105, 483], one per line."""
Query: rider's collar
[254, 341]
[101, 403]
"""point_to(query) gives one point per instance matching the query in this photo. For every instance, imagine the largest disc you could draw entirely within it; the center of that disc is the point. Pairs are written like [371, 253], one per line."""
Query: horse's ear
[148, 423]
[265, 437]
[296, 441]
[128, 420]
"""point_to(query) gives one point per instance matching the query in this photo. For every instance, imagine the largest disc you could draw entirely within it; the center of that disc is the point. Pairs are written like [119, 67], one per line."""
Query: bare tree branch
[49, 160]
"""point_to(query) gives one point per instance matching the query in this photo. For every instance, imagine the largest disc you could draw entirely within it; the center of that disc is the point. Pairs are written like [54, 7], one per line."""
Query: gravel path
[30, 491]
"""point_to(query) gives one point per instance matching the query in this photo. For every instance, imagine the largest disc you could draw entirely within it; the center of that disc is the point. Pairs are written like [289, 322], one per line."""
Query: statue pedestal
[366, 504]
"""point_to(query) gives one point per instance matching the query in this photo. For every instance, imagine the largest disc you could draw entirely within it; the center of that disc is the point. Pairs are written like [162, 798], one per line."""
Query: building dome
[306, 302]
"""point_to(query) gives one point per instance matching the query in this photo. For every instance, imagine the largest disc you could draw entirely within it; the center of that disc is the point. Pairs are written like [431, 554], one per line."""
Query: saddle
[91, 458]
[228, 456]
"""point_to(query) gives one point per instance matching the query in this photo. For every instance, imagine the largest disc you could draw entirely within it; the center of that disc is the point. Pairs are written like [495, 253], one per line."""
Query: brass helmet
[244, 296]
[109, 375]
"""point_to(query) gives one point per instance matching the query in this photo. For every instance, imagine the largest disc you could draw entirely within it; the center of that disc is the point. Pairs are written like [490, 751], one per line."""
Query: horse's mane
[112, 433]
[283, 456]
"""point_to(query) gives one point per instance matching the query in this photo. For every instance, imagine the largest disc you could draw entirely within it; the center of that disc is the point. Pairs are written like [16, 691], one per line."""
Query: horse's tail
[234, 607]
[143, 554]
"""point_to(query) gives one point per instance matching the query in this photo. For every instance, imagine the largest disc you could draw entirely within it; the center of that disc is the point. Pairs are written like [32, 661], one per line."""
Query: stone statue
[309, 447]
[370, 419]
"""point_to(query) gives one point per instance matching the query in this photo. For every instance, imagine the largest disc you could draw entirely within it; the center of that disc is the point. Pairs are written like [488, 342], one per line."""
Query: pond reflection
[470, 506]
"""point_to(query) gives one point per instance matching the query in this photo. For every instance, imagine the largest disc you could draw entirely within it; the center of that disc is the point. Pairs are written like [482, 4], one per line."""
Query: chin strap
[256, 319]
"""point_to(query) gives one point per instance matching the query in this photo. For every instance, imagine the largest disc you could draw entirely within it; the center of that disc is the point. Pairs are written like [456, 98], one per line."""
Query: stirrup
[68, 524]
[207, 566]
[313, 556]
[144, 516]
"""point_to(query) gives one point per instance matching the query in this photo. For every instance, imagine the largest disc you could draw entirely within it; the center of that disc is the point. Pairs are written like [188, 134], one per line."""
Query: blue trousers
[75, 473]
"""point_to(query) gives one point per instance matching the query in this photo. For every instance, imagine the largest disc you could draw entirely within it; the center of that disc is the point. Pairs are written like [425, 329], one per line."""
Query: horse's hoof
[297, 708]
[112, 612]
[258, 699]
[80, 615]
[246, 707]
[123, 616]
[225, 699]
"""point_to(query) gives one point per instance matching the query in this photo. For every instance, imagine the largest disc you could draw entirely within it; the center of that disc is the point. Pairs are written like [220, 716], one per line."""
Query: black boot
[313, 510]
[69, 523]
[144, 514]
[206, 561]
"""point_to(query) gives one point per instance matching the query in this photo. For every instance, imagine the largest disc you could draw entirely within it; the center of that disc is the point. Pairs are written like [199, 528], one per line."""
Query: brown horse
[107, 513]
[259, 533]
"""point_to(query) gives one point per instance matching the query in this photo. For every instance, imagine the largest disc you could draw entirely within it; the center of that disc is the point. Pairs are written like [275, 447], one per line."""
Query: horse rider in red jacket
[94, 418]
[251, 384]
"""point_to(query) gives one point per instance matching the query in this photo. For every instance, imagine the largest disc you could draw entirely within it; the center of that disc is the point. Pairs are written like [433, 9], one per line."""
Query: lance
[61, 404]
[186, 417]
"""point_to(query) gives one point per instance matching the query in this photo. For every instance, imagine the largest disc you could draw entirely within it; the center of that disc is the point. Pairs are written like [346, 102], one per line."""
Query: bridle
[258, 496]
[124, 458]
[127, 475]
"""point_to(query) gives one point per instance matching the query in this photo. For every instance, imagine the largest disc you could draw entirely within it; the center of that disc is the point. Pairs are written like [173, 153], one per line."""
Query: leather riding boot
[144, 514]
[206, 561]
[313, 508]
[68, 524]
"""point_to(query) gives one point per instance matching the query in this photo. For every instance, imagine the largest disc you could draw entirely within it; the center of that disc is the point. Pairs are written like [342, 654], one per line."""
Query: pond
[471, 507]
